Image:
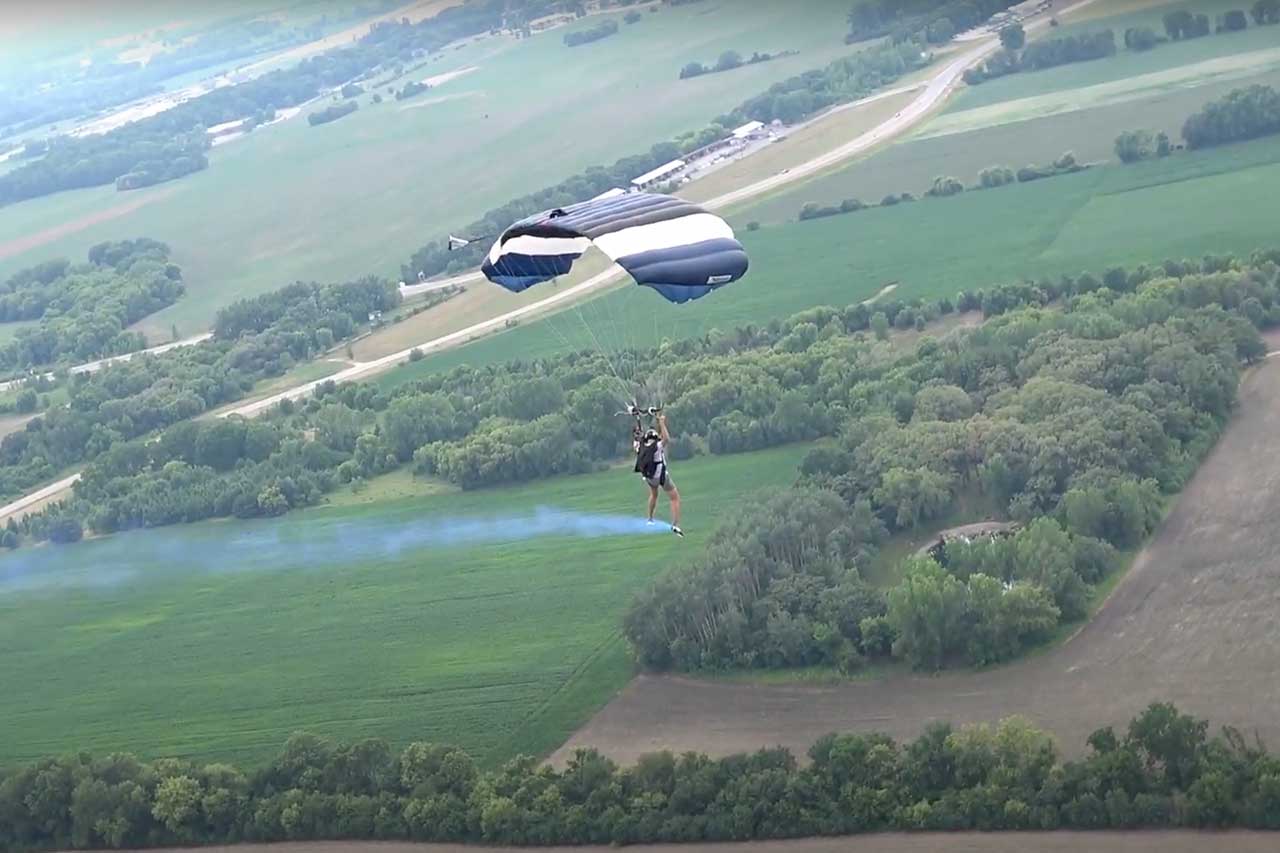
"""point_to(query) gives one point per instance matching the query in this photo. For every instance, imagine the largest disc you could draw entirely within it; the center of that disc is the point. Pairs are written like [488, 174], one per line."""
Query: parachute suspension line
[622, 385]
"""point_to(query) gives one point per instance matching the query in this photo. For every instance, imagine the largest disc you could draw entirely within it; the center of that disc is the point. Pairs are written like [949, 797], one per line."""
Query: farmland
[1186, 206]
[1193, 622]
[1126, 63]
[347, 621]
[358, 196]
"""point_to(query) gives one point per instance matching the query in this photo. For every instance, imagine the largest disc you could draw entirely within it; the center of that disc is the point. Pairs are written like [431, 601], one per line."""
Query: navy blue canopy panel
[677, 248]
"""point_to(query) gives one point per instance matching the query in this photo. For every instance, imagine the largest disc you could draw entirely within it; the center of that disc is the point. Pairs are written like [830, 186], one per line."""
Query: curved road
[934, 92]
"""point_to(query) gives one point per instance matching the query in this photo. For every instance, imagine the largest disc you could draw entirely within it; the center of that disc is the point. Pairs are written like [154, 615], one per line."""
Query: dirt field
[925, 842]
[1196, 622]
[18, 245]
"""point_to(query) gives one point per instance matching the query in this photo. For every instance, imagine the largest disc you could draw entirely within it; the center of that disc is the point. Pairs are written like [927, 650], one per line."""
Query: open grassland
[1191, 53]
[1162, 841]
[1200, 82]
[161, 643]
[1195, 621]
[1219, 201]
[949, 146]
[360, 195]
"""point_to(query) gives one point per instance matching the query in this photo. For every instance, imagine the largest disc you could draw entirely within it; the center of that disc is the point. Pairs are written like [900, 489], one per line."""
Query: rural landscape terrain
[314, 534]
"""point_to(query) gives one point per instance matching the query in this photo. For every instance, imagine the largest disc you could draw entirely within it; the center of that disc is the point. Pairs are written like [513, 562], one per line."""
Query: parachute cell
[673, 246]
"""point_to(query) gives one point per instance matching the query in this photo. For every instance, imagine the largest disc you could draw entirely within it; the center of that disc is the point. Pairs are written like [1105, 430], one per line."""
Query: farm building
[655, 176]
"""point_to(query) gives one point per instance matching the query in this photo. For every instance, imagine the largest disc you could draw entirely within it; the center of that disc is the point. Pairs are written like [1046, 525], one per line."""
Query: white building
[613, 193]
[650, 178]
[748, 129]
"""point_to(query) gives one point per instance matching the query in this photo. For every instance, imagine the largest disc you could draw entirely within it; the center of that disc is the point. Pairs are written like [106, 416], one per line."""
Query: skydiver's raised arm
[662, 428]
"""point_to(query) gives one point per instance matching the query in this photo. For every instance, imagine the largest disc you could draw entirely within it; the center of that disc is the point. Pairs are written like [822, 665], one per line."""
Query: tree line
[1161, 770]
[728, 61]
[604, 29]
[1016, 55]
[946, 185]
[1240, 115]
[332, 113]
[1076, 422]
[931, 21]
[728, 392]
[174, 143]
[789, 101]
[84, 310]
[127, 400]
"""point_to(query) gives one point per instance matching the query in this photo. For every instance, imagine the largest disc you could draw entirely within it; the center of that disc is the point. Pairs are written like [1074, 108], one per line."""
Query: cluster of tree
[1075, 422]
[604, 29]
[633, 17]
[1241, 114]
[410, 89]
[332, 113]
[173, 143]
[944, 186]
[1135, 145]
[728, 61]
[748, 389]
[1163, 770]
[127, 400]
[792, 100]
[934, 21]
[1038, 55]
[85, 309]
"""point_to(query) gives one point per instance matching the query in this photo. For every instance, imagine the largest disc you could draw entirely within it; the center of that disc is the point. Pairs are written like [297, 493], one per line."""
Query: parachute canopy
[677, 248]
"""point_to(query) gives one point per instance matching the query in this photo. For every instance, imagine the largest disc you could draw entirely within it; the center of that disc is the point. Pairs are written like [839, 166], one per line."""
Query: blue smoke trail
[312, 542]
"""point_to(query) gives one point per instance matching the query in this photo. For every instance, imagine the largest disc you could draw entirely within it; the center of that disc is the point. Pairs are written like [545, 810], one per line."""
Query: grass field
[218, 640]
[1223, 200]
[359, 195]
[1194, 621]
[911, 165]
[1126, 63]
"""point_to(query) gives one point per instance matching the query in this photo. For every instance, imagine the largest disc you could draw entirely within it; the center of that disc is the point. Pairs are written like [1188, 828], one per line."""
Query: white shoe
[677, 531]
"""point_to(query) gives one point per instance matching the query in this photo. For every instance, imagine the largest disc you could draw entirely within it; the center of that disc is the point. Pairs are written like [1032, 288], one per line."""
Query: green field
[1224, 200]
[910, 166]
[1126, 63]
[218, 640]
[359, 195]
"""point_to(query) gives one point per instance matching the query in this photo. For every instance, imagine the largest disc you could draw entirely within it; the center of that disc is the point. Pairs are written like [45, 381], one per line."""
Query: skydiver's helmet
[650, 436]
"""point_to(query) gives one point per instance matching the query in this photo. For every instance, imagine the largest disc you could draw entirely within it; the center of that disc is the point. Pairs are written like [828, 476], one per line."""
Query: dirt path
[924, 842]
[1196, 621]
[26, 243]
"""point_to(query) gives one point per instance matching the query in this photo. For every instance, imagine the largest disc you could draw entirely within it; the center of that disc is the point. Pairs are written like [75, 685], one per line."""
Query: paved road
[94, 366]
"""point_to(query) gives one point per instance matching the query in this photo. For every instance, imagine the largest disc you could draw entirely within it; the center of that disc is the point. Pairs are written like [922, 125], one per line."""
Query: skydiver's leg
[673, 495]
[653, 500]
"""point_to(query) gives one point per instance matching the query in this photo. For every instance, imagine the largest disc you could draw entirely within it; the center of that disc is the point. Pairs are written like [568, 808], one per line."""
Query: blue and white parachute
[671, 245]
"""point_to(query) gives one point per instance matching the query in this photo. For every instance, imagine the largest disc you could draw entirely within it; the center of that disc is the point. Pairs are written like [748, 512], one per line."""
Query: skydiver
[651, 464]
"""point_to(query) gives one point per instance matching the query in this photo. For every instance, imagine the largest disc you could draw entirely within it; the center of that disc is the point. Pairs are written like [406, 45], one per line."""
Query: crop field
[418, 619]
[948, 146]
[1126, 63]
[359, 195]
[1185, 206]
[1195, 621]
[1199, 82]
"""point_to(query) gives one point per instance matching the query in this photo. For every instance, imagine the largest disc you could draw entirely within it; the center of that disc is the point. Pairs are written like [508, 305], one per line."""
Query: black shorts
[661, 477]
